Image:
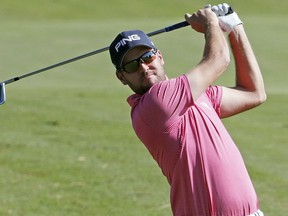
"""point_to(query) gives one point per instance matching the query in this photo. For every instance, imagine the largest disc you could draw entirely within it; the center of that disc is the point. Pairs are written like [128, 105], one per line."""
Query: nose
[143, 66]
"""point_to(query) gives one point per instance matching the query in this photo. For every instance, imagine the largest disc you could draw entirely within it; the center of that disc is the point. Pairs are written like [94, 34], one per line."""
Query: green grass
[67, 147]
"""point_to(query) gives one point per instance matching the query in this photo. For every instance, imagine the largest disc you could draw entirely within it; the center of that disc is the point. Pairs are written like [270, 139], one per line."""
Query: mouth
[148, 79]
[148, 76]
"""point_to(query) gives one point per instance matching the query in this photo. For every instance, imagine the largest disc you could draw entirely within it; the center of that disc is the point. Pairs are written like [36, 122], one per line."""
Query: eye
[131, 66]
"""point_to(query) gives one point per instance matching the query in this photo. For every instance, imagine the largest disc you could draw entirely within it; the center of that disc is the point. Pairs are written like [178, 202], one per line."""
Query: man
[178, 120]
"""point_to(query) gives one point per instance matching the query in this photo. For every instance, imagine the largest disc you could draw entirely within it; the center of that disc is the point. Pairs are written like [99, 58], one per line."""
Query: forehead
[134, 53]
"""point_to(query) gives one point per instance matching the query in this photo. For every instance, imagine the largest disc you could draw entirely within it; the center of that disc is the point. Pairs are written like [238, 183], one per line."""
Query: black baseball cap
[126, 41]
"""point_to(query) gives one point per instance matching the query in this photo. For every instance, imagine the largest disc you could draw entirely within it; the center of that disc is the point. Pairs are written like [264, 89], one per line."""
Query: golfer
[179, 119]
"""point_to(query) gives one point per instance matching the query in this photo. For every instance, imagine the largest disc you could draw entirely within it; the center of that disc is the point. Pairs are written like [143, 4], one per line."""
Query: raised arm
[249, 90]
[216, 51]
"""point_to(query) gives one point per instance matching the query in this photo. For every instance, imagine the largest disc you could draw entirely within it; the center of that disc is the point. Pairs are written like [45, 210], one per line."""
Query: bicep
[202, 76]
[236, 100]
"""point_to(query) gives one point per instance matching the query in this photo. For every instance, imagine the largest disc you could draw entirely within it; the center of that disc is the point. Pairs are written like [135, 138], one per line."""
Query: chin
[151, 80]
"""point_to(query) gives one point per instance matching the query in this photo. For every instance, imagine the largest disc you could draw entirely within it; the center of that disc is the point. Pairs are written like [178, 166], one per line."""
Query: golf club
[4, 83]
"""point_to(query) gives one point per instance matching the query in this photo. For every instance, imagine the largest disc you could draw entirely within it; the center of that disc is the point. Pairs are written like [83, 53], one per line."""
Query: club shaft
[56, 65]
[167, 29]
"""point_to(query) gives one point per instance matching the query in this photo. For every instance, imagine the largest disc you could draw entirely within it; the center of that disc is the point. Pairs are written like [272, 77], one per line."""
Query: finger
[215, 9]
[188, 16]
[221, 10]
[225, 8]
[207, 6]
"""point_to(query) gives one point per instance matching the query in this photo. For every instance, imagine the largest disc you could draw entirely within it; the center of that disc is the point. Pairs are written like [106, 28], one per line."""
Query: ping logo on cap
[124, 41]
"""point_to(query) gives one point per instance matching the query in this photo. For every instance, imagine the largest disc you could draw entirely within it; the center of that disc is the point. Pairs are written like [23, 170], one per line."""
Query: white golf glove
[227, 17]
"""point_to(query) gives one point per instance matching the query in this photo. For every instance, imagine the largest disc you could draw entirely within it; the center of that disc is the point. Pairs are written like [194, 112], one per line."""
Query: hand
[227, 17]
[201, 19]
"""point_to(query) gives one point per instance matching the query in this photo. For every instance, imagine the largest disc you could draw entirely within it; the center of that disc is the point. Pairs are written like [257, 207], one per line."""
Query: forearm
[248, 73]
[216, 51]
[215, 55]
[248, 91]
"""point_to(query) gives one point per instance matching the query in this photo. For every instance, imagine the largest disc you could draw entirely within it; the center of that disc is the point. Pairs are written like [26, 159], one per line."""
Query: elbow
[225, 60]
[225, 54]
[261, 93]
[260, 97]
[224, 57]
[219, 59]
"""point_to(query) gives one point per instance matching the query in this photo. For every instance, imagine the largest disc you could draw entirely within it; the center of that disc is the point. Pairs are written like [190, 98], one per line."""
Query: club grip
[176, 26]
[169, 28]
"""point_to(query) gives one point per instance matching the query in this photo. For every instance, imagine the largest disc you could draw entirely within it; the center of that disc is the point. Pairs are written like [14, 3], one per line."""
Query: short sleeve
[214, 93]
[165, 103]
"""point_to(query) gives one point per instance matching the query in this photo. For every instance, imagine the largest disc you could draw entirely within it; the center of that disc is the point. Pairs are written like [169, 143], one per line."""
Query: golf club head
[2, 93]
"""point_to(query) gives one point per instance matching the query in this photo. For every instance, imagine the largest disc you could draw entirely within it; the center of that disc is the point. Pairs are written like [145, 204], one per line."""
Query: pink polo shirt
[202, 164]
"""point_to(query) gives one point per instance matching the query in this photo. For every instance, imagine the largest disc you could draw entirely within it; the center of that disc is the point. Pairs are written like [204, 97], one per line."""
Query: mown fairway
[67, 147]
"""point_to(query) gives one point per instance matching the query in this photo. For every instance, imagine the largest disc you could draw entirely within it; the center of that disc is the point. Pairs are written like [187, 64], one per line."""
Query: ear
[120, 76]
[160, 57]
